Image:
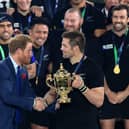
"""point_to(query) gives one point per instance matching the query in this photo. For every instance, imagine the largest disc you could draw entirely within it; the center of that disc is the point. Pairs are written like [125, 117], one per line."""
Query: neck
[15, 58]
[3, 42]
[24, 13]
[120, 33]
[36, 46]
[82, 4]
[76, 58]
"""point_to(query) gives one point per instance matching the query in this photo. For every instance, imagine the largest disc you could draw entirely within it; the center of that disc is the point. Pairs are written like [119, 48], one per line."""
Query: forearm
[95, 96]
[116, 97]
[50, 96]
[122, 95]
[126, 91]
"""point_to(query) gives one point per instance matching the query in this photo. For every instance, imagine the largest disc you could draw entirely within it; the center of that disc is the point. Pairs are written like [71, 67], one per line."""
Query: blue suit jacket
[9, 100]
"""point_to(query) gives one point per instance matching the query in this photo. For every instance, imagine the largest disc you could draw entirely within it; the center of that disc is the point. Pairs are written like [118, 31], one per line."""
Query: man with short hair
[16, 95]
[88, 91]
[6, 32]
[113, 54]
[38, 32]
[23, 15]
[72, 21]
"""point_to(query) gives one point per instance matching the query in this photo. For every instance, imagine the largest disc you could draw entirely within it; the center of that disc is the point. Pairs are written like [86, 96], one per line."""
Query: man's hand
[118, 97]
[50, 96]
[122, 95]
[37, 10]
[39, 104]
[112, 97]
[10, 11]
[77, 82]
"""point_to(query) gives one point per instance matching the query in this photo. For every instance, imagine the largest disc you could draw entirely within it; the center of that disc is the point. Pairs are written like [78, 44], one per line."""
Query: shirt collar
[15, 65]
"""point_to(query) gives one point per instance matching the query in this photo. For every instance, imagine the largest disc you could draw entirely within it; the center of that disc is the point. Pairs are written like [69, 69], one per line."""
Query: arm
[9, 96]
[110, 94]
[114, 97]
[99, 32]
[37, 10]
[50, 96]
[93, 95]
[122, 95]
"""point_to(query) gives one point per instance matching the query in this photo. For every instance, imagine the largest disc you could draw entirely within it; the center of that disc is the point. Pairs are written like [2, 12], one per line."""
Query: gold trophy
[61, 82]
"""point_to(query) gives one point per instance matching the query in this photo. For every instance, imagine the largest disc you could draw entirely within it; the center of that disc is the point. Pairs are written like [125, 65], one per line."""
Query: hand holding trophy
[61, 82]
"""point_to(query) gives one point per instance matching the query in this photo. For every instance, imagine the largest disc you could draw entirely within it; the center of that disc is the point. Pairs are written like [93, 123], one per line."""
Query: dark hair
[5, 17]
[39, 20]
[19, 41]
[120, 7]
[76, 38]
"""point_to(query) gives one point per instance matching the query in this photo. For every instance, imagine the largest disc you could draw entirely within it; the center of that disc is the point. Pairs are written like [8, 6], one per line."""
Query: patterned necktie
[18, 92]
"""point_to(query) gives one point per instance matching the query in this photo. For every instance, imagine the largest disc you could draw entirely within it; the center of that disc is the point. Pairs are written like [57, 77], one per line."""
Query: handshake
[41, 104]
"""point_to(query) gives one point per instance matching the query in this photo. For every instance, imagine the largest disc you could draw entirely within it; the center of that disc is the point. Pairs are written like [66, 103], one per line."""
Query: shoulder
[94, 73]
[3, 65]
[92, 66]
[107, 35]
[4, 68]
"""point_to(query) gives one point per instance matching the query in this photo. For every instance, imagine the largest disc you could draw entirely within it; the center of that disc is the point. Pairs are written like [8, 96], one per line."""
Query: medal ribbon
[2, 53]
[79, 64]
[39, 63]
[118, 52]
[83, 12]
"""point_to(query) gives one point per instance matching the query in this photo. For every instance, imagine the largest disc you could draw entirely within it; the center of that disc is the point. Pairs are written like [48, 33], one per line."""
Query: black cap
[39, 20]
[5, 17]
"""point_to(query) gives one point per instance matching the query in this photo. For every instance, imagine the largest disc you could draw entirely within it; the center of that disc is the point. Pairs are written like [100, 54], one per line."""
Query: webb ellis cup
[61, 82]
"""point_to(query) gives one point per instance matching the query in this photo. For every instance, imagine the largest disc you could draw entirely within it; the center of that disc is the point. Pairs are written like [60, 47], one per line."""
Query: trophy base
[64, 100]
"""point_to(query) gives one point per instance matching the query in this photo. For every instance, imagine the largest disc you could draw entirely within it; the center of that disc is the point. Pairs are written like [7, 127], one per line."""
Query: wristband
[83, 88]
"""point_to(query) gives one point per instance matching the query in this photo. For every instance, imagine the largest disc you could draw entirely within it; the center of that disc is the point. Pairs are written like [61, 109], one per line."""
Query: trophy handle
[50, 80]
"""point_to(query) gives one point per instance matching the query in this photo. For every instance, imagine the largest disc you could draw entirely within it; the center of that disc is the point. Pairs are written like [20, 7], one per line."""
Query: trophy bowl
[61, 82]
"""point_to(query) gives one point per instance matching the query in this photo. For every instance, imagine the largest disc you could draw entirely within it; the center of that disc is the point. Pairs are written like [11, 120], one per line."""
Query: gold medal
[116, 69]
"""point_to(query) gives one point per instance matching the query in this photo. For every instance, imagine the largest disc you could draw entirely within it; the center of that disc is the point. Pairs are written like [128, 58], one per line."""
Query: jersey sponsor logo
[107, 46]
[46, 57]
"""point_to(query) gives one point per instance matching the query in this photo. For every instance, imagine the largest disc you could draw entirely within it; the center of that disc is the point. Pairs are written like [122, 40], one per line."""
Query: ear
[128, 19]
[75, 48]
[18, 51]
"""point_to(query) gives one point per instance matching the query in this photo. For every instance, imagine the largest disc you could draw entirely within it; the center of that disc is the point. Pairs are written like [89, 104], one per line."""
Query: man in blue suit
[20, 49]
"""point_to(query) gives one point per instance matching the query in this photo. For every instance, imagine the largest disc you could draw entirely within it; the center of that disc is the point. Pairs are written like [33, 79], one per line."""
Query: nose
[6, 28]
[61, 48]
[68, 22]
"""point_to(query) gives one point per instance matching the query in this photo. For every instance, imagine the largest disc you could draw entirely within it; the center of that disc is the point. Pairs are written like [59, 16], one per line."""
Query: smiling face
[6, 30]
[120, 20]
[23, 5]
[110, 3]
[76, 2]
[39, 34]
[72, 21]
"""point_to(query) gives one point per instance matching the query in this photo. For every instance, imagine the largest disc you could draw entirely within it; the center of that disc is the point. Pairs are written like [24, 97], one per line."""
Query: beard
[76, 2]
[5, 37]
[118, 27]
[26, 60]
